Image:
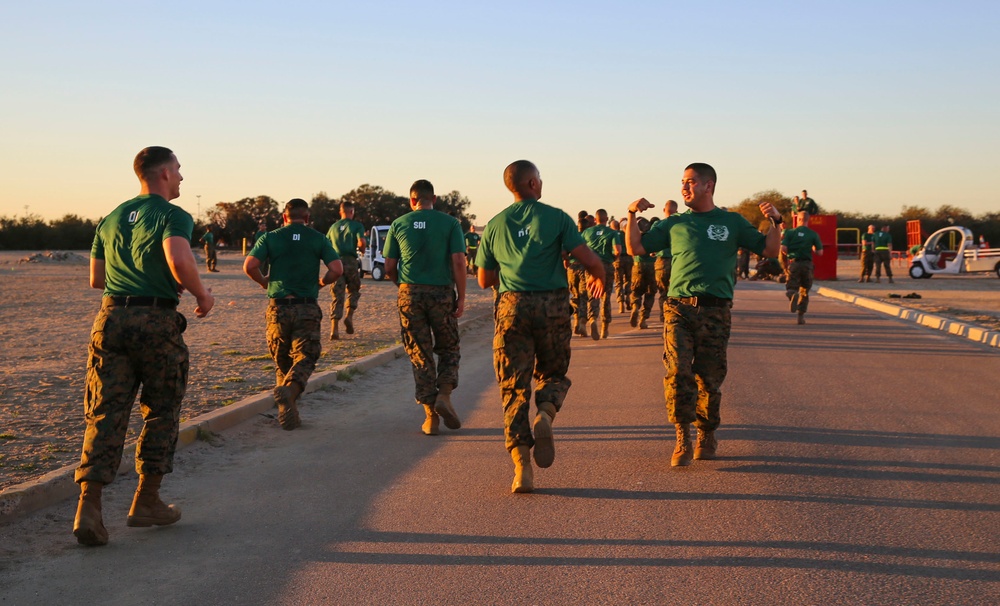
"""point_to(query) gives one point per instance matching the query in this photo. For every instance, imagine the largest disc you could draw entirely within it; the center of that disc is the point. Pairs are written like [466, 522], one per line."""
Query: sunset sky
[870, 105]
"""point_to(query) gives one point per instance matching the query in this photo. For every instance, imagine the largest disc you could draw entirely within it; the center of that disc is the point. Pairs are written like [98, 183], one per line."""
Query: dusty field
[47, 308]
[46, 313]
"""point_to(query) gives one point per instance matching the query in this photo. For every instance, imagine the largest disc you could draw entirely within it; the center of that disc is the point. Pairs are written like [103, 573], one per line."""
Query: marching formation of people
[552, 277]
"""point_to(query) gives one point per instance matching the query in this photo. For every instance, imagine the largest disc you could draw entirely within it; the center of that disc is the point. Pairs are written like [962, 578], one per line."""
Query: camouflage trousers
[349, 284]
[531, 340]
[883, 257]
[429, 327]
[600, 309]
[800, 280]
[623, 278]
[293, 339]
[129, 347]
[579, 298]
[867, 264]
[663, 266]
[643, 288]
[695, 340]
[211, 256]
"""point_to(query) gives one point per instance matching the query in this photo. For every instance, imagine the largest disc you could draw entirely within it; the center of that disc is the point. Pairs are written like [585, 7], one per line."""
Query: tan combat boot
[705, 447]
[147, 508]
[621, 307]
[286, 397]
[545, 448]
[430, 426]
[349, 322]
[604, 331]
[682, 453]
[524, 475]
[634, 318]
[802, 317]
[642, 324]
[334, 332]
[793, 301]
[88, 527]
[443, 407]
[594, 331]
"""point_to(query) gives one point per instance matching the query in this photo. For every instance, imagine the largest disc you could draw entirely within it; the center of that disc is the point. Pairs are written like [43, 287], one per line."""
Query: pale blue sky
[869, 105]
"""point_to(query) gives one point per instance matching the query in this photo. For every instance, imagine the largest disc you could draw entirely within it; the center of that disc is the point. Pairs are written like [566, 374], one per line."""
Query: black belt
[797, 259]
[129, 301]
[702, 301]
[294, 301]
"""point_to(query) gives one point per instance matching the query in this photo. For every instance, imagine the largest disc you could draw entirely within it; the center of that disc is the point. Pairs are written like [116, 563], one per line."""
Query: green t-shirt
[882, 239]
[344, 236]
[208, 238]
[130, 242]
[525, 242]
[867, 242]
[294, 252]
[601, 239]
[807, 204]
[644, 259]
[424, 241]
[800, 242]
[472, 239]
[704, 247]
[620, 239]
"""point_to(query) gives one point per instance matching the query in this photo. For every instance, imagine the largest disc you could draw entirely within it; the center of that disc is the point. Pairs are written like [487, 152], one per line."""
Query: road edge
[984, 336]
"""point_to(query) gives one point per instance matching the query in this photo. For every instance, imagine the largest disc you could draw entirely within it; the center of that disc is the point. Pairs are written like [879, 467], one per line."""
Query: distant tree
[456, 205]
[376, 205]
[238, 220]
[750, 207]
[323, 211]
[72, 232]
[25, 233]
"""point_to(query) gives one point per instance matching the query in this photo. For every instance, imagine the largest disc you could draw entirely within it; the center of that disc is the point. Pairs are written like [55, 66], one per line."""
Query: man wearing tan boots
[521, 251]
[141, 258]
[294, 252]
[425, 256]
[697, 316]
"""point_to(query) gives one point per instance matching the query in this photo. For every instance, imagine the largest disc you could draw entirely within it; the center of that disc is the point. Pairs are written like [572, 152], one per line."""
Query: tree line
[378, 206]
[233, 221]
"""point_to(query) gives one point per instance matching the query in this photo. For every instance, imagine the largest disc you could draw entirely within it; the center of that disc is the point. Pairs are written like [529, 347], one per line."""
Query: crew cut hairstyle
[422, 190]
[517, 174]
[149, 160]
[346, 204]
[704, 171]
[297, 209]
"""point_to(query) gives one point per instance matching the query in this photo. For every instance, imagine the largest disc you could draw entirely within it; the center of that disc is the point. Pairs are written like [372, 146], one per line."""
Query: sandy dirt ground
[46, 311]
[47, 308]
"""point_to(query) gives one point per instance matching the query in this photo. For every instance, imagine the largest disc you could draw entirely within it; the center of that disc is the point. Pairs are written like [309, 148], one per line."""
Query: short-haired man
[602, 240]
[293, 316]
[348, 238]
[696, 330]
[522, 250]
[805, 203]
[867, 254]
[800, 244]
[623, 271]
[141, 258]
[425, 256]
[211, 250]
[471, 247]
[882, 242]
[663, 259]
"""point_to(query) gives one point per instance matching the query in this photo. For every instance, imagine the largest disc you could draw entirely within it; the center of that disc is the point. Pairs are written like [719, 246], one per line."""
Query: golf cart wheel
[378, 272]
[917, 272]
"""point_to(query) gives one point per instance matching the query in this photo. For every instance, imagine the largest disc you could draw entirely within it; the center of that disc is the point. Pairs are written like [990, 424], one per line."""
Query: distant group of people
[528, 253]
[876, 252]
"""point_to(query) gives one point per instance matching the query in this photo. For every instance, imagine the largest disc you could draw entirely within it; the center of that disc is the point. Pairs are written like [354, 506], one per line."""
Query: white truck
[372, 261]
[953, 251]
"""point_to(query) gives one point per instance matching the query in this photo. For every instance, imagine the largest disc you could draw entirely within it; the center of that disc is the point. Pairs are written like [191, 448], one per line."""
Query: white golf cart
[372, 261]
[953, 251]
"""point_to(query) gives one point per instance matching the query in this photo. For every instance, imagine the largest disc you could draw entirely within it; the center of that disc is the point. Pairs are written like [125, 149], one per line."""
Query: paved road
[860, 465]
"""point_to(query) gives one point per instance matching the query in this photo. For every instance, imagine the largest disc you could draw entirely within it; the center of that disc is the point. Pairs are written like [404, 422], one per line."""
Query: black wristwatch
[776, 222]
